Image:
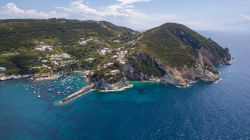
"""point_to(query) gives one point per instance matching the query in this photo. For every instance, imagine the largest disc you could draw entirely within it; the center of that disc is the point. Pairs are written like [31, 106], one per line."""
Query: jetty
[77, 94]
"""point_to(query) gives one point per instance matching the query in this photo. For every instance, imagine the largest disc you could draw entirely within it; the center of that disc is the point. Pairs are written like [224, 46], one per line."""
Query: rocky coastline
[204, 71]
[13, 77]
[33, 77]
[46, 76]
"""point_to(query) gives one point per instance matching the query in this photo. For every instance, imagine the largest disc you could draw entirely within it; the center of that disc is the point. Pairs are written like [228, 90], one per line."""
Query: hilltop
[109, 55]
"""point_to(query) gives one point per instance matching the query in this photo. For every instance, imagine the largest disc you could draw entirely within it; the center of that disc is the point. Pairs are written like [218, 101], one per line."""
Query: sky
[205, 15]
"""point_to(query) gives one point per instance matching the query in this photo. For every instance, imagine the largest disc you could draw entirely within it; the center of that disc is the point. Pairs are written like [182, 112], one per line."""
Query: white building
[60, 57]
[41, 46]
[116, 41]
[90, 59]
[2, 69]
[114, 72]
[45, 61]
[115, 56]
[84, 41]
[104, 51]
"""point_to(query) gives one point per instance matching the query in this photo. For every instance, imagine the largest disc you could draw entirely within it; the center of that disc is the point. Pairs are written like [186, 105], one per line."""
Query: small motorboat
[50, 90]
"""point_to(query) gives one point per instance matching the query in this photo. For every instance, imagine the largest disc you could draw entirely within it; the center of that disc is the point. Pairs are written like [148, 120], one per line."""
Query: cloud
[126, 2]
[122, 12]
[79, 6]
[245, 17]
[11, 10]
[123, 8]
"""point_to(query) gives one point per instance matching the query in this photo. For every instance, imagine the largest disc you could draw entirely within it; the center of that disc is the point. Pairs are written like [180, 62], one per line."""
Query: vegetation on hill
[177, 45]
[19, 35]
[24, 33]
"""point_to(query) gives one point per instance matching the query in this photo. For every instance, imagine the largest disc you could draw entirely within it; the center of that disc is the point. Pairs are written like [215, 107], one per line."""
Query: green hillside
[177, 45]
[18, 38]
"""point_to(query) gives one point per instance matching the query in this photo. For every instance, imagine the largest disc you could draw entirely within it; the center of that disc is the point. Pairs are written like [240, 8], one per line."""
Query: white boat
[50, 90]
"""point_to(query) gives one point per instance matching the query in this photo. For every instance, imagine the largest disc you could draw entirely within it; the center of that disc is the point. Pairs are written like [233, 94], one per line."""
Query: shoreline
[52, 77]
[130, 83]
[32, 77]
[217, 81]
[117, 90]
[14, 77]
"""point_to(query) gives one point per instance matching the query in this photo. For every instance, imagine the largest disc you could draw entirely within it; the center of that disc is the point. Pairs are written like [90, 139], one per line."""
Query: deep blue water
[147, 111]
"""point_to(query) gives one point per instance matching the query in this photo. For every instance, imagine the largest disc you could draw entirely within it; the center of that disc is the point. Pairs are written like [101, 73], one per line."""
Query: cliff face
[166, 74]
[146, 68]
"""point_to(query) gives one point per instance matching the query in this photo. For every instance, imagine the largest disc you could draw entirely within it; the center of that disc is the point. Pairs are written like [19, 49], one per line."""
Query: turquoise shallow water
[148, 111]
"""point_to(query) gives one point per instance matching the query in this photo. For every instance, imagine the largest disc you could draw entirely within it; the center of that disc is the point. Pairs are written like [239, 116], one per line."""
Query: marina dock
[77, 94]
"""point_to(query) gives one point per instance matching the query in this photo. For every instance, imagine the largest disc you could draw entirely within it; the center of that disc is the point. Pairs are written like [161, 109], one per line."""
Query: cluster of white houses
[55, 61]
[63, 59]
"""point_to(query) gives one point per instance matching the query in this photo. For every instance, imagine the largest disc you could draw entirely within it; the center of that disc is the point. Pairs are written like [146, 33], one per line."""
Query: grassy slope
[168, 44]
[163, 45]
[17, 33]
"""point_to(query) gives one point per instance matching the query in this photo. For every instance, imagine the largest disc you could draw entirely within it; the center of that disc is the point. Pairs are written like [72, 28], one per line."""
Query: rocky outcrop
[209, 77]
[204, 70]
[166, 74]
[171, 75]
[199, 73]
[105, 85]
[211, 59]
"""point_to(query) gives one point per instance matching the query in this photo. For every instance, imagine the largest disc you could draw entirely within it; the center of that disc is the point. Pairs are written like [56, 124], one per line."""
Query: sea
[148, 111]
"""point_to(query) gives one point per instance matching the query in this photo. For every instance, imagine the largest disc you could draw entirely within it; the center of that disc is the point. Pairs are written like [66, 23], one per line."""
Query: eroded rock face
[171, 76]
[207, 58]
[209, 77]
[200, 73]
[133, 73]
